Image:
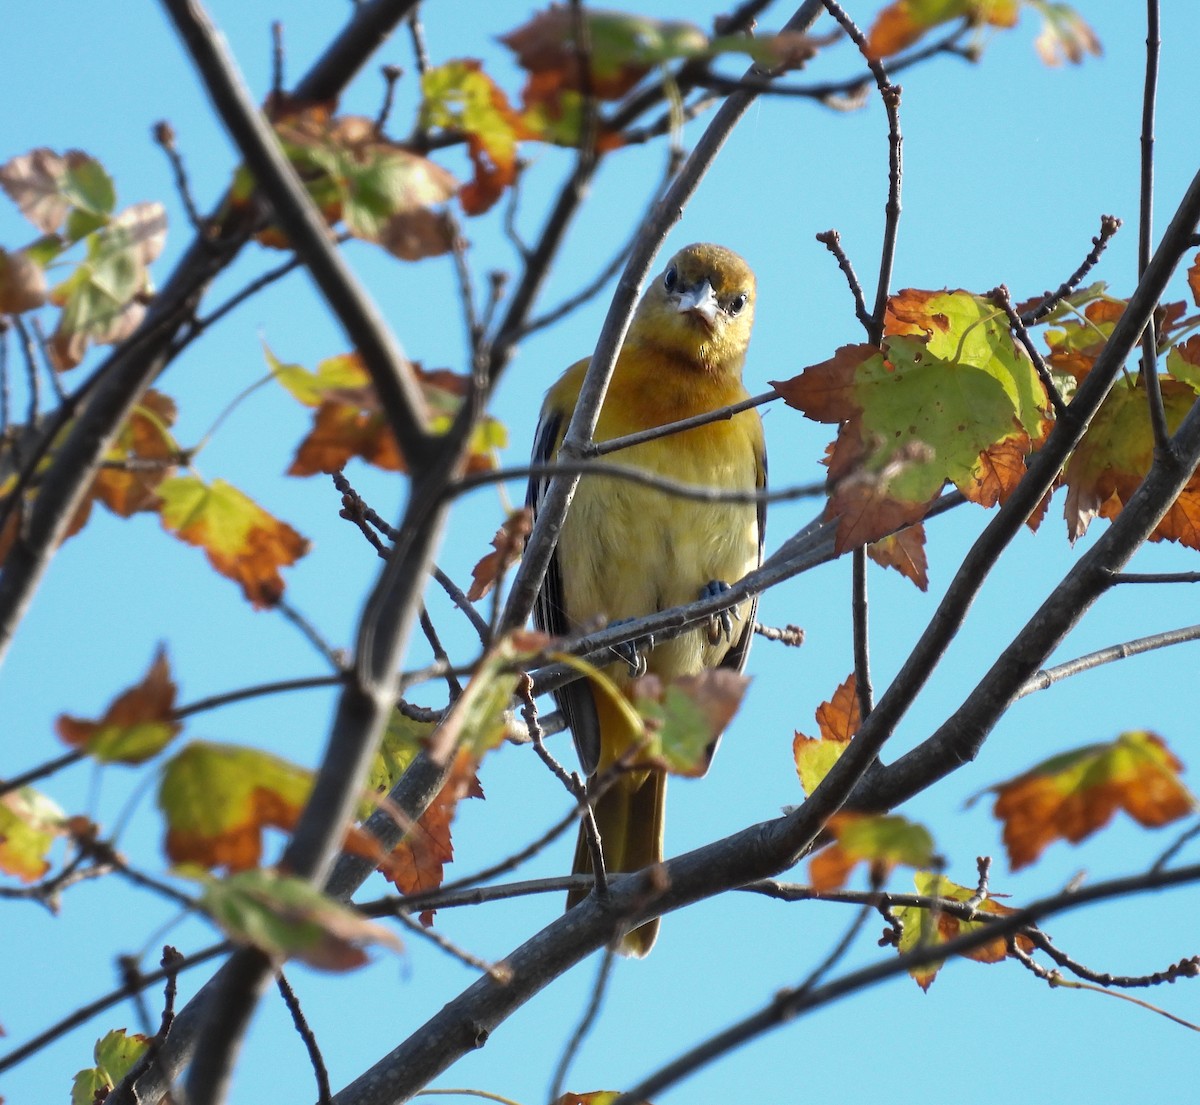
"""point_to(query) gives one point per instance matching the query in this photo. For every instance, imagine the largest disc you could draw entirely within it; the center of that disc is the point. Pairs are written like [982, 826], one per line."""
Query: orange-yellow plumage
[627, 550]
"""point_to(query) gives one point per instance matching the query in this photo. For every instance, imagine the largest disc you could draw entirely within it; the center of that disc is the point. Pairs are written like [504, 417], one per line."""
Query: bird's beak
[700, 300]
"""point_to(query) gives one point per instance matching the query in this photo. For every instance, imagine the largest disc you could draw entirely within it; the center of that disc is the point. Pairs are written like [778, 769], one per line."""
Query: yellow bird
[627, 550]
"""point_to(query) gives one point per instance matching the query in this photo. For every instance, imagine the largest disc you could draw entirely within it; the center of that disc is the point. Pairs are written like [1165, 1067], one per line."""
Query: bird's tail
[629, 816]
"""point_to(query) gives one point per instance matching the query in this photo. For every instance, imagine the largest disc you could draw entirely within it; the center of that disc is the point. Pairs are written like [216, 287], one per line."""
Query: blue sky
[1008, 167]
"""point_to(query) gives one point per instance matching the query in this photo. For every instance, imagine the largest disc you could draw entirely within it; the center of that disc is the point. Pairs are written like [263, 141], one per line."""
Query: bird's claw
[720, 626]
[633, 653]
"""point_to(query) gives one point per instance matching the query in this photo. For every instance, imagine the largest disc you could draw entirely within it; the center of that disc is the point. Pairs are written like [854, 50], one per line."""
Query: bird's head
[701, 307]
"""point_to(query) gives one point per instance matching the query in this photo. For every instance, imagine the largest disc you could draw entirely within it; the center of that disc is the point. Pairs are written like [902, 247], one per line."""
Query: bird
[627, 550]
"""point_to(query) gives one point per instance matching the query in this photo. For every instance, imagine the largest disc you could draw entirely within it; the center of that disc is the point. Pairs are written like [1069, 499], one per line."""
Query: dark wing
[735, 658]
[549, 611]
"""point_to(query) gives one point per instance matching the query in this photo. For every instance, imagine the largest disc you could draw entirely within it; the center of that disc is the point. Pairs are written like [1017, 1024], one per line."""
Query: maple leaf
[285, 917]
[1193, 279]
[949, 397]
[904, 22]
[685, 716]
[218, 799]
[918, 928]
[350, 422]
[880, 840]
[418, 862]
[241, 540]
[142, 456]
[905, 552]
[837, 720]
[29, 824]
[1072, 795]
[138, 724]
[47, 187]
[383, 192]
[460, 96]
[115, 1053]
[508, 545]
[103, 300]
[1117, 450]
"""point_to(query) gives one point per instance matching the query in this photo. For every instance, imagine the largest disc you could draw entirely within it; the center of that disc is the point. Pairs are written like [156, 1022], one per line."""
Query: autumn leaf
[950, 397]
[382, 192]
[1064, 36]
[104, 300]
[508, 544]
[1193, 279]
[460, 96]
[418, 862]
[219, 798]
[350, 421]
[286, 918]
[138, 724]
[1072, 795]
[922, 927]
[241, 540]
[905, 552]
[47, 187]
[904, 22]
[115, 1053]
[29, 824]
[837, 721]
[403, 739]
[685, 717]
[22, 282]
[596, 1097]
[143, 455]
[880, 840]
[1116, 452]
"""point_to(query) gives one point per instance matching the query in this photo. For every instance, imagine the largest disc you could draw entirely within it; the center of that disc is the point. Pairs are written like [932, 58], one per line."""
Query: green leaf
[115, 1055]
[285, 917]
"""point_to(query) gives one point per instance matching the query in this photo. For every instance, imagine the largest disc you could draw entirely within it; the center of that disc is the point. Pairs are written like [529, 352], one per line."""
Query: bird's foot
[633, 653]
[720, 626]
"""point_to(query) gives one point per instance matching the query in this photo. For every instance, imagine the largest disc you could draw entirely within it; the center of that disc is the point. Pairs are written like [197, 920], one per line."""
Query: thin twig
[1000, 297]
[304, 1030]
[832, 241]
[1109, 225]
[585, 1025]
[496, 970]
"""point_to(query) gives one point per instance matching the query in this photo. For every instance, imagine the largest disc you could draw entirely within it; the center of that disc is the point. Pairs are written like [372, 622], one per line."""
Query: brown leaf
[22, 283]
[508, 544]
[137, 725]
[904, 551]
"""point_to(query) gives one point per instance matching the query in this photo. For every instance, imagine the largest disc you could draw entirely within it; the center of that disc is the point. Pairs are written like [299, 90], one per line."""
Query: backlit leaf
[1064, 35]
[137, 725]
[1072, 795]
[918, 927]
[115, 1054]
[242, 541]
[685, 717]
[950, 397]
[507, 546]
[1116, 452]
[29, 824]
[144, 454]
[45, 186]
[218, 799]
[904, 551]
[904, 22]
[287, 918]
[879, 840]
[838, 721]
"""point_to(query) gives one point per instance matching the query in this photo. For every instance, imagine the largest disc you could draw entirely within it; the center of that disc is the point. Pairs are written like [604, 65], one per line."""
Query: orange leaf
[242, 541]
[1072, 795]
[148, 453]
[904, 22]
[1193, 279]
[880, 840]
[418, 861]
[508, 544]
[916, 930]
[219, 798]
[137, 725]
[838, 721]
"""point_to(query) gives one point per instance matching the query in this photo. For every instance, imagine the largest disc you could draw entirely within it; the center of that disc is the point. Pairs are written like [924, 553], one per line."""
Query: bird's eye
[737, 303]
[671, 278]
